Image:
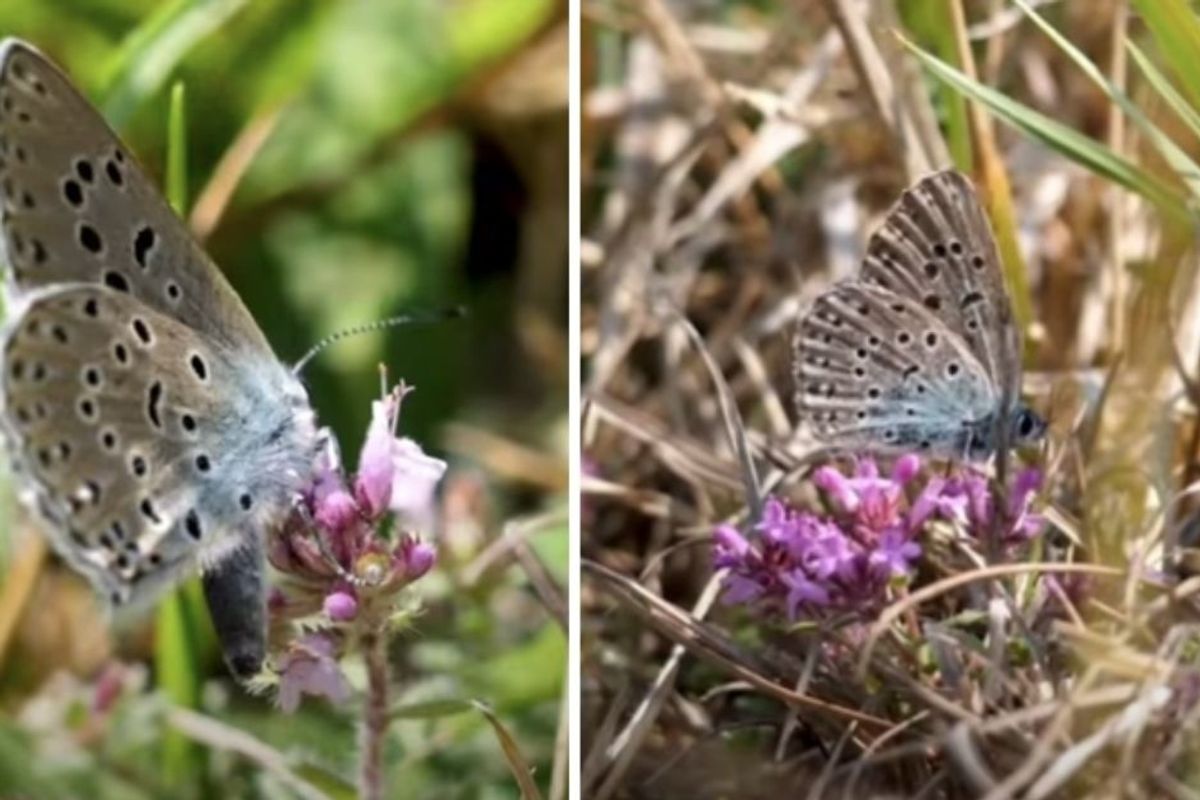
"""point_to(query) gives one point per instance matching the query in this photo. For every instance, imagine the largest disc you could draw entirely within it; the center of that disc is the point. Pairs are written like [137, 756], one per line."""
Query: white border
[574, 378]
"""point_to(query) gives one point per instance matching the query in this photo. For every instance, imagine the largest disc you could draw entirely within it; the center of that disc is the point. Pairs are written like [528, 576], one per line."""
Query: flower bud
[341, 606]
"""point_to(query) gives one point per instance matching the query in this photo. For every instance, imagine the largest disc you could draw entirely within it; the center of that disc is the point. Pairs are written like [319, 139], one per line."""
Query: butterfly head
[1027, 426]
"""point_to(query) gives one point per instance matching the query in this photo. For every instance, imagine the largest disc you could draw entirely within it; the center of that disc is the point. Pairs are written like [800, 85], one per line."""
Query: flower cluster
[338, 570]
[806, 564]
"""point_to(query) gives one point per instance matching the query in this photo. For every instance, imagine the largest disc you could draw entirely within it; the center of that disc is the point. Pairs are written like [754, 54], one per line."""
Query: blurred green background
[347, 160]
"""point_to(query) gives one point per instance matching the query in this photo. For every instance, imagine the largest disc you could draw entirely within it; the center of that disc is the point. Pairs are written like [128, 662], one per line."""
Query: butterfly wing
[147, 446]
[77, 208]
[877, 370]
[936, 248]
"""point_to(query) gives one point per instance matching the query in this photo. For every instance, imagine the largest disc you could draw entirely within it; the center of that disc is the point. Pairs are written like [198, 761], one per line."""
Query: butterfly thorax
[269, 461]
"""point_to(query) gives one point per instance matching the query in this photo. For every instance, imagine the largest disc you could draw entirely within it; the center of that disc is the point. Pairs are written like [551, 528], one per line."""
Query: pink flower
[310, 668]
[336, 512]
[806, 564]
[373, 483]
[394, 474]
[341, 606]
[413, 558]
[415, 477]
[731, 548]
[108, 688]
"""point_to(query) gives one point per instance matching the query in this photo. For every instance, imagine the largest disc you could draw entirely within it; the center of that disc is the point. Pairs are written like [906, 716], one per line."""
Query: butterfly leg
[301, 509]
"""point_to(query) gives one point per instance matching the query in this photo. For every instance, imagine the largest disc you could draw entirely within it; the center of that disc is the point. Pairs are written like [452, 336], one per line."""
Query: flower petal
[415, 476]
[837, 486]
[376, 471]
[906, 468]
[731, 548]
[310, 668]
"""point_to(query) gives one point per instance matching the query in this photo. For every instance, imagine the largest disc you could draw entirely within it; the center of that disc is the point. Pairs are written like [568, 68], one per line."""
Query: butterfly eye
[1027, 423]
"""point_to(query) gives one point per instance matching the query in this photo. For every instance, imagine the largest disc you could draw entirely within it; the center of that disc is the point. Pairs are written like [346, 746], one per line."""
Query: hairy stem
[375, 713]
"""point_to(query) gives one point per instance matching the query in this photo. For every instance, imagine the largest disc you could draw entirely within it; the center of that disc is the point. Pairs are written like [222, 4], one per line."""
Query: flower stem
[375, 713]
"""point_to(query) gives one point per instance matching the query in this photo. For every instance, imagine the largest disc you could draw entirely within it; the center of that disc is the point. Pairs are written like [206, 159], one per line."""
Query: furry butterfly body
[148, 422]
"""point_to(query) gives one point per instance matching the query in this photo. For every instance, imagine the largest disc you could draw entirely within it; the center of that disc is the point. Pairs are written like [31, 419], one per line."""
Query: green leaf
[177, 151]
[1176, 101]
[175, 652]
[1074, 145]
[932, 22]
[433, 709]
[1184, 166]
[518, 678]
[1176, 30]
[151, 52]
[512, 754]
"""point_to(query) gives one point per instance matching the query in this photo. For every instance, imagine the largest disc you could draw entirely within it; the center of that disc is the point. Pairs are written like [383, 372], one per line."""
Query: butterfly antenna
[416, 317]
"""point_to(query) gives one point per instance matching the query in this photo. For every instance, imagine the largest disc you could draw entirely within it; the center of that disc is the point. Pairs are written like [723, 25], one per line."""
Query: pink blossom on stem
[310, 668]
[415, 478]
[373, 483]
[341, 605]
[805, 564]
[339, 569]
[394, 473]
[414, 557]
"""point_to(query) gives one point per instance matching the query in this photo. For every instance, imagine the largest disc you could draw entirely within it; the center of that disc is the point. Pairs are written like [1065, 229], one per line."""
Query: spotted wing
[936, 247]
[142, 444]
[77, 208]
[876, 370]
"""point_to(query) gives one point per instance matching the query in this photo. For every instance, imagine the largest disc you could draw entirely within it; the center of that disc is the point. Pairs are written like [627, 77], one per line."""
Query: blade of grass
[177, 150]
[998, 192]
[1176, 31]
[175, 656]
[1175, 101]
[734, 428]
[932, 22]
[512, 754]
[432, 709]
[1184, 166]
[1072, 144]
[219, 735]
[151, 51]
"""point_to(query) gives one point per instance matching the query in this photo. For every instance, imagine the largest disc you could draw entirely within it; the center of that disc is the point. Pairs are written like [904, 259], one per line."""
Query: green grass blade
[1071, 143]
[932, 22]
[150, 53]
[1176, 31]
[1184, 166]
[1166, 90]
[517, 762]
[177, 151]
[175, 657]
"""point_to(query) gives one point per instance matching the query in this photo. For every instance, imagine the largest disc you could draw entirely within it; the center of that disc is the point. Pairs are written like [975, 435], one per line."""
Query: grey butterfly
[921, 352]
[148, 421]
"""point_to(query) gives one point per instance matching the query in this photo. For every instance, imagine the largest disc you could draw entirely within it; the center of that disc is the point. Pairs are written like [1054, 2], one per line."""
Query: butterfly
[921, 352]
[148, 422]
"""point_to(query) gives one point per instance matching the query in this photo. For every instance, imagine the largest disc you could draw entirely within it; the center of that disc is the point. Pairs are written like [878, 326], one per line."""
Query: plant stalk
[375, 712]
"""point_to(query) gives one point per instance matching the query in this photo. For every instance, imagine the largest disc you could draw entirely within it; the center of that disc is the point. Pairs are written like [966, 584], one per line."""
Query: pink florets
[806, 565]
[333, 558]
